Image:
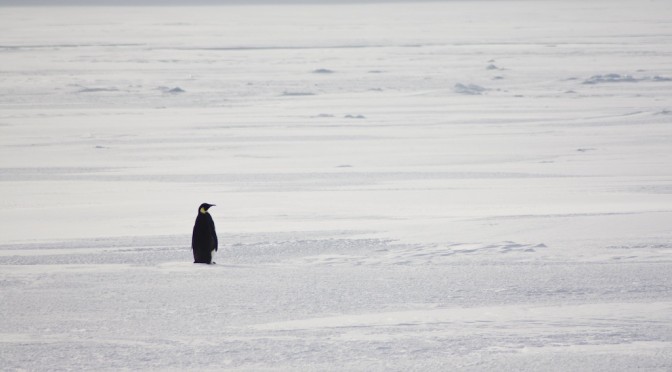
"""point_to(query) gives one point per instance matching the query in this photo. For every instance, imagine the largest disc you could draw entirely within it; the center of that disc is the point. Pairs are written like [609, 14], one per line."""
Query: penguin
[204, 238]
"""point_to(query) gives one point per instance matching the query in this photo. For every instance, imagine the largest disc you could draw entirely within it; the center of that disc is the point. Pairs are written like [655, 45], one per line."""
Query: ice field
[458, 185]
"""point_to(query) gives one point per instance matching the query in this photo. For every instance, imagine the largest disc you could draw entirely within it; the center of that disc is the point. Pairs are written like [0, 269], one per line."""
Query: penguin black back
[204, 237]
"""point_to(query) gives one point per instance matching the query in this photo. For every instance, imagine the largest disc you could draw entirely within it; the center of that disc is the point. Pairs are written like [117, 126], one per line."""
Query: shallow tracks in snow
[399, 254]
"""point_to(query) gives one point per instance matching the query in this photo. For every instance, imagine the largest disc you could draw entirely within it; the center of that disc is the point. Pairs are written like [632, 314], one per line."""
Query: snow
[399, 186]
[617, 78]
[471, 89]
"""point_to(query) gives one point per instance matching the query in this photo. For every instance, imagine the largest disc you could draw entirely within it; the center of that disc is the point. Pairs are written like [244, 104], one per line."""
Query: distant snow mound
[354, 116]
[610, 78]
[169, 90]
[471, 89]
[323, 71]
[492, 67]
[96, 90]
[661, 78]
[297, 94]
[617, 78]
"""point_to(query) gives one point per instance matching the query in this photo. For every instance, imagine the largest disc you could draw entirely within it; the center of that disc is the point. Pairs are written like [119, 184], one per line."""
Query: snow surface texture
[455, 185]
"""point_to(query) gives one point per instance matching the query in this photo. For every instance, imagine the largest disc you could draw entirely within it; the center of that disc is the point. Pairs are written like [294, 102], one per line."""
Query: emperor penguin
[204, 238]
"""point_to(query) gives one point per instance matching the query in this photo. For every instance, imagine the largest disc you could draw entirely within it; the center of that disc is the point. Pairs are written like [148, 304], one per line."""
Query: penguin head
[204, 207]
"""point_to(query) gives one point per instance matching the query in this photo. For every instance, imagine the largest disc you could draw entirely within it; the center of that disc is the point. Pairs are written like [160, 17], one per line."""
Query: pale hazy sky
[190, 2]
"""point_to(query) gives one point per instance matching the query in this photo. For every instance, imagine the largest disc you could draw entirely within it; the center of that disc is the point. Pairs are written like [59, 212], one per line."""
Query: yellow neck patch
[203, 211]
